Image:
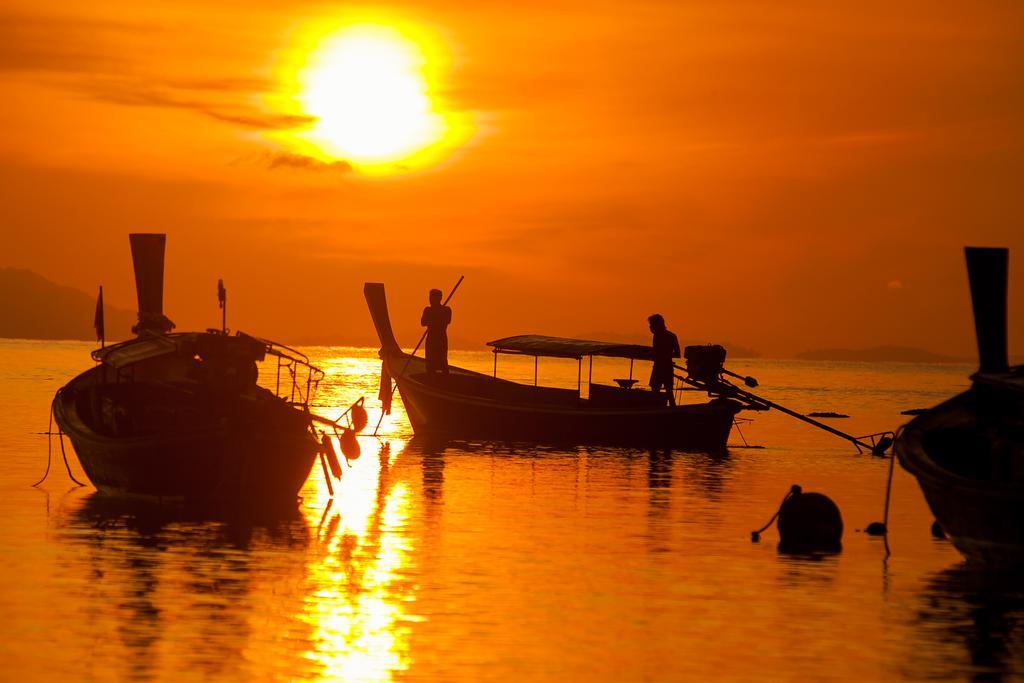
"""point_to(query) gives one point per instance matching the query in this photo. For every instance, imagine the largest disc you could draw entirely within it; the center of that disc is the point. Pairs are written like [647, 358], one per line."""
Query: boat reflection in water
[315, 592]
[177, 582]
[978, 609]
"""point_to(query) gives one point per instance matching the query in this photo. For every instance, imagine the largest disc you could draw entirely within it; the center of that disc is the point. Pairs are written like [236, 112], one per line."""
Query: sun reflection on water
[358, 609]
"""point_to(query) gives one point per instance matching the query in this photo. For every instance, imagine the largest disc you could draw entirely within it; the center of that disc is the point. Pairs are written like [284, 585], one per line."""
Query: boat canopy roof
[135, 351]
[140, 349]
[562, 347]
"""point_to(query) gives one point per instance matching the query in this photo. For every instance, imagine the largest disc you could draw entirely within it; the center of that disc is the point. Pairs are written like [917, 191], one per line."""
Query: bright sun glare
[371, 89]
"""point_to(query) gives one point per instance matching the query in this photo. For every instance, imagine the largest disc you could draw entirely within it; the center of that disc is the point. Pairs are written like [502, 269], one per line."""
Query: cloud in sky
[288, 160]
[108, 60]
[49, 43]
[196, 96]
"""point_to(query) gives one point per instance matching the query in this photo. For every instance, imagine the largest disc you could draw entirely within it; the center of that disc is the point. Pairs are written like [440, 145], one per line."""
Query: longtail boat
[465, 404]
[182, 416]
[967, 453]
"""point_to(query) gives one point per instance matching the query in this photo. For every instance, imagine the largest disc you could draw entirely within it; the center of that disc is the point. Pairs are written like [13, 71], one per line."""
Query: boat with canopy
[474, 405]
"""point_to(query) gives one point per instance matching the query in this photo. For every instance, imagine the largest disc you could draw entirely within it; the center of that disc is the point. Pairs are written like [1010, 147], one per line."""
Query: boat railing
[296, 380]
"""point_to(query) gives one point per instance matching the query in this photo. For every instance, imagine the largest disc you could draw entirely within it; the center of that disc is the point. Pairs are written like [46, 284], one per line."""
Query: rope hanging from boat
[49, 450]
[882, 528]
[888, 488]
[794, 490]
[60, 437]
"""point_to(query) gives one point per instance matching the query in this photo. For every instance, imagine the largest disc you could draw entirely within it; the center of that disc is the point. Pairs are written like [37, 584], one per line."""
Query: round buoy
[876, 529]
[359, 418]
[810, 522]
[937, 530]
[349, 445]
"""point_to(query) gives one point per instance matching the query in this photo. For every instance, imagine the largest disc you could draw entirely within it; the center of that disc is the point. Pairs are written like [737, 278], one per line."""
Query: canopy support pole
[495, 362]
[579, 375]
[535, 360]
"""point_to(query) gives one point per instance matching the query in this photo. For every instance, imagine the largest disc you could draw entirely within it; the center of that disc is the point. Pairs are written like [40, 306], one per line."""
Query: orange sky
[780, 175]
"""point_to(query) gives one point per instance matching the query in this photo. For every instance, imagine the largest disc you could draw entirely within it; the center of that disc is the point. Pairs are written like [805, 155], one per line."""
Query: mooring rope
[49, 449]
[794, 490]
[60, 437]
[888, 494]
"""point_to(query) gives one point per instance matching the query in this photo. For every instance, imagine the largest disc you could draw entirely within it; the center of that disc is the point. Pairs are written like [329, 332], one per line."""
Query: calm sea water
[486, 562]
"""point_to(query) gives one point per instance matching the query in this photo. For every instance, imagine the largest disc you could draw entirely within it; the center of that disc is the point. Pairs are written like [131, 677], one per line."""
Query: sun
[366, 88]
[371, 93]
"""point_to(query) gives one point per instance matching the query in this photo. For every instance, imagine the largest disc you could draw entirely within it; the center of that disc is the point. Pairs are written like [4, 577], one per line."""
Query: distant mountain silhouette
[880, 354]
[32, 307]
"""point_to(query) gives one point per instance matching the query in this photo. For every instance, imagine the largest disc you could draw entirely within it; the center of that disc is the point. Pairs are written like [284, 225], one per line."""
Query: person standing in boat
[436, 318]
[666, 349]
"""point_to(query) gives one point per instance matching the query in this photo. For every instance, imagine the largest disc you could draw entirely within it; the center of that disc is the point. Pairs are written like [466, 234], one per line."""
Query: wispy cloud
[288, 160]
[93, 59]
[37, 43]
[196, 96]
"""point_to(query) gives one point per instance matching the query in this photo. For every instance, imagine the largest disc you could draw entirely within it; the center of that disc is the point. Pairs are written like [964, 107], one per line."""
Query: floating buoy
[875, 529]
[332, 458]
[349, 445]
[810, 522]
[937, 530]
[359, 417]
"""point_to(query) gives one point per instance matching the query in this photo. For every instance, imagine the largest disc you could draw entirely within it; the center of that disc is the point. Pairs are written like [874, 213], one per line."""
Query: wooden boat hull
[982, 512]
[260, 450]
[434, 408]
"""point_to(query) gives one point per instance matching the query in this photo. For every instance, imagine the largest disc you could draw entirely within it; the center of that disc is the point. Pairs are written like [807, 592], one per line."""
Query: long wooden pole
[764, 404]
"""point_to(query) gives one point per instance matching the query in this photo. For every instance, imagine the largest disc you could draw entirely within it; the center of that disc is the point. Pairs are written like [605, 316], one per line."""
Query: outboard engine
[705, 362]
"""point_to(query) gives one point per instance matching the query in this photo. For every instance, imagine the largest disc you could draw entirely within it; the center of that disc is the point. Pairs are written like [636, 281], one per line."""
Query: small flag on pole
[97, 321]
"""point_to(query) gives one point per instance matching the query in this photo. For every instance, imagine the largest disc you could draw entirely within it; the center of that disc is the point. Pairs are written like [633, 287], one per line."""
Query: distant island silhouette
[880, 354]
[32, 307]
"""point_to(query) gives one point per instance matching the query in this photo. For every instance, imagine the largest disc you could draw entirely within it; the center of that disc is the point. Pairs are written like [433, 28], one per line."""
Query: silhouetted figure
[436, 318]
[666, 348]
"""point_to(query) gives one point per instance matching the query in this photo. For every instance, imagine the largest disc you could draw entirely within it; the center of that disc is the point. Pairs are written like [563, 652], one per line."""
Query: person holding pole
[436, 318]
[666, 348]
[391, 384]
